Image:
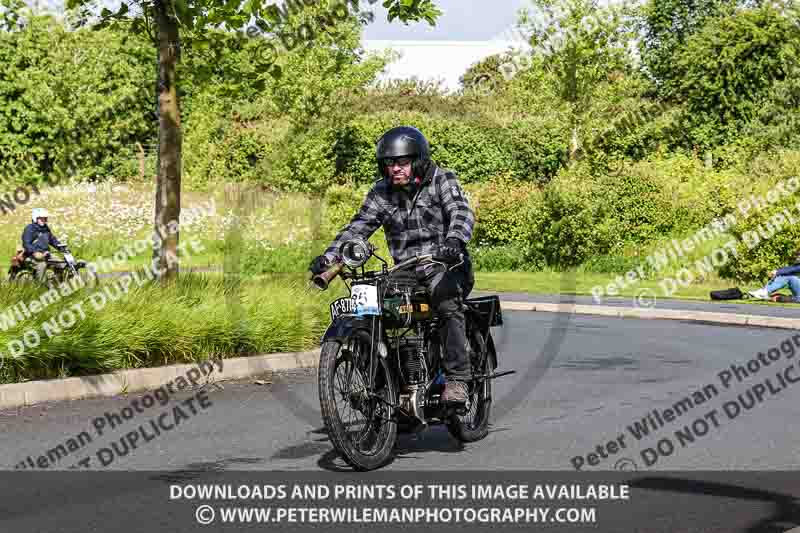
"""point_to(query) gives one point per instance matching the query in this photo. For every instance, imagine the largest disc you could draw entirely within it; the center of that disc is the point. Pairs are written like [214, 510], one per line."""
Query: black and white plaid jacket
[412, 225]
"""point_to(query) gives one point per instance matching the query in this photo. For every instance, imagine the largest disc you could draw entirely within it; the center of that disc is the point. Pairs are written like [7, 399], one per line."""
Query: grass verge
[190, 320]
[549, 282]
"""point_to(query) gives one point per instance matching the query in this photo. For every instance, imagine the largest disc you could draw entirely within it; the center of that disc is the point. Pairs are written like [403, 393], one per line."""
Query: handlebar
[322, 281]
[424, 258]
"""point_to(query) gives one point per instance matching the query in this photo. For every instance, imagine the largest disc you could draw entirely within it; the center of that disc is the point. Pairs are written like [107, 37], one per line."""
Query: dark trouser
[448, 291]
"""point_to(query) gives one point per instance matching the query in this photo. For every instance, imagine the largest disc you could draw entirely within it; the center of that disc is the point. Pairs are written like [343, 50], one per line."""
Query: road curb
[652, 313]
[145, 379]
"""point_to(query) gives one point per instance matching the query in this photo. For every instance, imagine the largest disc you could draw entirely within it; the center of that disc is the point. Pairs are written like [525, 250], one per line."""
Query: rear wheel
[21, 275]
[361, 423]
[474, 424]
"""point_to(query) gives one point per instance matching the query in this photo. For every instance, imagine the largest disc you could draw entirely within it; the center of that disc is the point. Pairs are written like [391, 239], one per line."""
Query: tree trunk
[168, 173]
[574, 144]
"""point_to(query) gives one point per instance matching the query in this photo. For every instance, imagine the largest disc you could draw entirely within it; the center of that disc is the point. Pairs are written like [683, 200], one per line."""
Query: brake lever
[439, 260]
[460, 262]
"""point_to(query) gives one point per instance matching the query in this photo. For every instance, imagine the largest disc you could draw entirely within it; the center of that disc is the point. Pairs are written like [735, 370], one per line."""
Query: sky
[443, 52]
[454, 40]
[462, 20]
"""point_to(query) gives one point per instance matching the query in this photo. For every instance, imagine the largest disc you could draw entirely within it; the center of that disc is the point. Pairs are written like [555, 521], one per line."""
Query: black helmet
[404, 141]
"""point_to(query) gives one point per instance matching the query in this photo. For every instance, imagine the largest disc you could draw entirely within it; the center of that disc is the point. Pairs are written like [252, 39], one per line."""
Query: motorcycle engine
[412, 360]
[414, 372]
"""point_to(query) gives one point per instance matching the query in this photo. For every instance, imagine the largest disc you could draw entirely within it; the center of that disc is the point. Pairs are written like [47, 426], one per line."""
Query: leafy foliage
[71, 102]
[578, 45]
[726, 67]
[765, 242]
[485, 75]
[667, 25]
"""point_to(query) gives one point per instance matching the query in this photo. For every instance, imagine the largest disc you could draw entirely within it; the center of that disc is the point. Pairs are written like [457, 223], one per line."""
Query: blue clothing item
[38, 238]
[788, 270]
[793, 282]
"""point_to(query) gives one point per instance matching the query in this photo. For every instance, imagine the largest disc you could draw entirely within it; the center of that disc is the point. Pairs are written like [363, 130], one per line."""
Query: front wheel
[89, 278]
[360, 419]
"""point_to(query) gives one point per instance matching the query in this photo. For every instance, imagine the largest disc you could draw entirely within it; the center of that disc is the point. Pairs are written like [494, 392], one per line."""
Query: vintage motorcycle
[58, 270]
[380, 368]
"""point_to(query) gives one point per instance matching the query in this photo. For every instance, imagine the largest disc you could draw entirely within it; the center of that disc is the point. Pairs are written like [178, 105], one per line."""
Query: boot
[454, 392]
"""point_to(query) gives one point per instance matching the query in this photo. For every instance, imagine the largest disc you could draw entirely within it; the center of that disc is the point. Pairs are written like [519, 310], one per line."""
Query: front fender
[342, 329]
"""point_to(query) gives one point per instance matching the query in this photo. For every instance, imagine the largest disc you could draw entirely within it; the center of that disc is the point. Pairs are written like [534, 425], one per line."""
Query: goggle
[401, 161]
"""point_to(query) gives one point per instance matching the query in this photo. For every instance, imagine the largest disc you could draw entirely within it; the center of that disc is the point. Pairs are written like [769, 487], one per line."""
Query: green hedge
[477, 147]
[766, 243]
[72, 102]
[271, 151]
[580, 216]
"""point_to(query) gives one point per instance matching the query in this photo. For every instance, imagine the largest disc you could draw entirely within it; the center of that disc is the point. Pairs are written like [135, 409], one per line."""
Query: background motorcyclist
[423, 210]
[37, 239]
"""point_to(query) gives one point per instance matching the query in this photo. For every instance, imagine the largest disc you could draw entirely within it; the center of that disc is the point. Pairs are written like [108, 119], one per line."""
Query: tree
[10, 14]
[484, 75]
[73, 104]
[725, 68]
[166, 21]
[579, 44]
[666, 25]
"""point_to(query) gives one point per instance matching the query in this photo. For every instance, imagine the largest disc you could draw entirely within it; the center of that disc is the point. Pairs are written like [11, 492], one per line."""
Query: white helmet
[38, 212]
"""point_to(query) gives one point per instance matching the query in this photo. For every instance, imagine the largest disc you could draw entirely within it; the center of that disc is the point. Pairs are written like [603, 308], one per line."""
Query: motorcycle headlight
[356, 252]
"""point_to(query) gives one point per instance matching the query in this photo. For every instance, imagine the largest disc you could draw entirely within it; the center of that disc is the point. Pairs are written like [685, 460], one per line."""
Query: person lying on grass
[780, 278]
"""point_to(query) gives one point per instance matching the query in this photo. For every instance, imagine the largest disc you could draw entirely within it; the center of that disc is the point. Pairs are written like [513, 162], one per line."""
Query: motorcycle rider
[37, 239]
[422, 210]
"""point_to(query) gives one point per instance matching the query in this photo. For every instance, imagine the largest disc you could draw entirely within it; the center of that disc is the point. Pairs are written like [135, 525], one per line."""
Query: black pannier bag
[728, 294]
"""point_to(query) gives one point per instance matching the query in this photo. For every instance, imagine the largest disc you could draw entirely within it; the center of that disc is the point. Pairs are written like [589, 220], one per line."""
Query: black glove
[319, 265]
[452, 248]
[61, 247]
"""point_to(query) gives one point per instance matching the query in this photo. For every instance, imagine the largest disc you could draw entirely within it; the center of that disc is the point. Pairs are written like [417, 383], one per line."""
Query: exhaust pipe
[321, 281]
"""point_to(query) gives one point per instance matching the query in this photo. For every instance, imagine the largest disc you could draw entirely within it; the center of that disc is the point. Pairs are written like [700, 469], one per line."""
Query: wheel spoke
[359, 416]
[349, 415]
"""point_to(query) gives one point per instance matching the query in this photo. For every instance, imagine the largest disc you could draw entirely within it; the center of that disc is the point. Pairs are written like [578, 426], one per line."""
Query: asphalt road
[605, 375]
[598, 376]
[755, 307]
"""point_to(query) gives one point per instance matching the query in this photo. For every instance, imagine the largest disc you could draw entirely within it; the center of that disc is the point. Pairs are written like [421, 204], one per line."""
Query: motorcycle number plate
[342, 306]
[366, 299]
[363, 301]
[69, 258]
